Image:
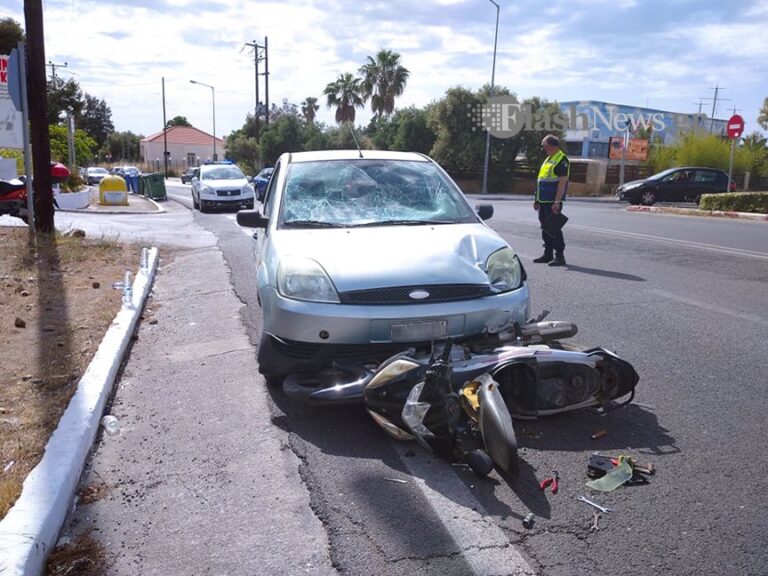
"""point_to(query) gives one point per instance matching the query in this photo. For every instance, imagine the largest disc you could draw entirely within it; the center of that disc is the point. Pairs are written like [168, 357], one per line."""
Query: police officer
[550, 193]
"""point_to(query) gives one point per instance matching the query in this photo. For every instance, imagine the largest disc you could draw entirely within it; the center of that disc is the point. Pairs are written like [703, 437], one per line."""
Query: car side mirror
[485, 211]
[251, 219]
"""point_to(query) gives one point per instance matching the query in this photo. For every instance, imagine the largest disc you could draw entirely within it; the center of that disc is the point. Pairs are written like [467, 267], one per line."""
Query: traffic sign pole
[730, 166]
[734, 129]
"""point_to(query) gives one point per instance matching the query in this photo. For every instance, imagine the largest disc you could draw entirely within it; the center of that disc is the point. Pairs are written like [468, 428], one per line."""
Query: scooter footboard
[563, 381]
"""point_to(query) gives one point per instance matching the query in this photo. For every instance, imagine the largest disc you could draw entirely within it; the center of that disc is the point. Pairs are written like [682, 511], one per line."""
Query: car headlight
[207, 190]
[247, 190]
[504, 270]
[305, 279]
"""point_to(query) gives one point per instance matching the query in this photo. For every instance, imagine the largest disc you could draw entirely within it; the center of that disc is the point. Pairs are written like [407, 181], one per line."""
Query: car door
[270, 210]
[708, 182]
[673, 187]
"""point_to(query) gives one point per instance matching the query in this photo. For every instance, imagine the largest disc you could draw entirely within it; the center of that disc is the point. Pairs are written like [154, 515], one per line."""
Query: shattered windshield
[349, 193]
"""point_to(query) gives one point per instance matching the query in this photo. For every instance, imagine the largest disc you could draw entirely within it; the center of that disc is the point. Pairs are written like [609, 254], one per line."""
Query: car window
[269, 196]
[223, 173]
[364, 192]
[705, 176]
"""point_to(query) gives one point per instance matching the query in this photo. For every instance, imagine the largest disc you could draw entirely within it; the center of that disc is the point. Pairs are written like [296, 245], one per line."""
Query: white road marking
[709, 306]
[686, 243]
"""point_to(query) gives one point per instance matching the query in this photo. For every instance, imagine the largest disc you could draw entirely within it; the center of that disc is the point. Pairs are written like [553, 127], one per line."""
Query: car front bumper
[300, 336]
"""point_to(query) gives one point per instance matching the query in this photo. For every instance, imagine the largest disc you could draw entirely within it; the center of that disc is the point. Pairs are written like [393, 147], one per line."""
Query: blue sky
[664, 54]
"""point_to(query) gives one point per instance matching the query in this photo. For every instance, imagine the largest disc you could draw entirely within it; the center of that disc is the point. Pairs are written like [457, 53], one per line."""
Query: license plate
[419, 331]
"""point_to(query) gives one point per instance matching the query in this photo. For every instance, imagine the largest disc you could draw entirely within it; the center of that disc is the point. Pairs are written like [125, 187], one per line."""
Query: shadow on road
[605, 273]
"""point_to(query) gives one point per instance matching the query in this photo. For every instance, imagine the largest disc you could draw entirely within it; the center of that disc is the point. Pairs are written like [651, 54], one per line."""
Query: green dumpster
[153, 186]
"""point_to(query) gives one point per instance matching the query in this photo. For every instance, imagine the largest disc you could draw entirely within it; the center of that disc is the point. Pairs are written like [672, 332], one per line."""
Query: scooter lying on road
[521, 373]
[13, 193]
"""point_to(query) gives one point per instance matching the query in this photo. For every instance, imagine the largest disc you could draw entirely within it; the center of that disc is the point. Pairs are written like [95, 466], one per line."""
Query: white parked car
[221, 185]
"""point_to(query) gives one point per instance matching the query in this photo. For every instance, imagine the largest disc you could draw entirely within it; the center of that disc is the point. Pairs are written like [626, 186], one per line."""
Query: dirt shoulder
[56, 303]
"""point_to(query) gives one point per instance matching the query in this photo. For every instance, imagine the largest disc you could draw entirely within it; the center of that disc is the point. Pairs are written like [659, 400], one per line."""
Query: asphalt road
[682, 298]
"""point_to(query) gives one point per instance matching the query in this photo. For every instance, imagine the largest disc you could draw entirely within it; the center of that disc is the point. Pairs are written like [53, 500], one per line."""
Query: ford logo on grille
[418, 295]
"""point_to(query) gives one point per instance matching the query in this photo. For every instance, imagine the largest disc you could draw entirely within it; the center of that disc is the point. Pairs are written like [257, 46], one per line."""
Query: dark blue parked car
[260, 183]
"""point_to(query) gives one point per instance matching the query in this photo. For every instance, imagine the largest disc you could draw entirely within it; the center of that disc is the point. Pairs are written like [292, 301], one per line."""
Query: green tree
[96, 119]
[316, 137]
[282, 135]
[762, 119]
[309, 109]
[345, 94]
[459, 143]
[11, 33]
[382, 131]
[531, 137]
[122, 146]
[707, 150]
[64, 97]
[413, 132]
[178, 121]
[384, 79]
[85, 146]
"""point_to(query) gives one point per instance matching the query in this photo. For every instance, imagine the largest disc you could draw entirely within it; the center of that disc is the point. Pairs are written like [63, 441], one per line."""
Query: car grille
[233, 192]
[401, 294]
[358, 353]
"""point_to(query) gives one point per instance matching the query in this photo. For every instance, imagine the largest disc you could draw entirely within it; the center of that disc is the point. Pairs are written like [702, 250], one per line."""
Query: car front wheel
[647, 198]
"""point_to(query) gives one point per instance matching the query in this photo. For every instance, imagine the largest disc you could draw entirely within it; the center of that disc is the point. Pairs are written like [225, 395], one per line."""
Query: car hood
[633, 183]
[361, 258]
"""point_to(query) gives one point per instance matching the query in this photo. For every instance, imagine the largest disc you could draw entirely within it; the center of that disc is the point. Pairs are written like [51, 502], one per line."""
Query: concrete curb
[697, 212]
[30, 529]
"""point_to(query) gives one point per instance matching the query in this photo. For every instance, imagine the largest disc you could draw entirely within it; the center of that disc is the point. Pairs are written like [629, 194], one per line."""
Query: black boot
[544, 258]
[558, 260]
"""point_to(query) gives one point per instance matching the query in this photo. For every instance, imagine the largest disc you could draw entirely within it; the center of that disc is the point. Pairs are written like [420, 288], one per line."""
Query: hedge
[736, 202]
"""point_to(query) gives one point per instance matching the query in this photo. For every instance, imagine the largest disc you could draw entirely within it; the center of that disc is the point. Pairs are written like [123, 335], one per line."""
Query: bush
[73, 183]
[736, 202]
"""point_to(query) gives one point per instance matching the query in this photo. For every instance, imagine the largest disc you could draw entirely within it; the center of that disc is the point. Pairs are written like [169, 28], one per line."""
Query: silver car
[365, 254]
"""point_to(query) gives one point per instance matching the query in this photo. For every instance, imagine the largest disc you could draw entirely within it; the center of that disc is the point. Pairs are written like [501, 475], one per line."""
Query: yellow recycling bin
[113, 191]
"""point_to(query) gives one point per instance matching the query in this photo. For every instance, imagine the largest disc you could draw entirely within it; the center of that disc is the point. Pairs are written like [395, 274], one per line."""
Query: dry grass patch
[56, 304]
[83, 557]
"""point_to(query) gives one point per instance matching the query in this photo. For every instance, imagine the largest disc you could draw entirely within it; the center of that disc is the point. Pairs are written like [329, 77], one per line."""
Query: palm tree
[763, 118]
[346, 94]
[308, 108]
[383, 80]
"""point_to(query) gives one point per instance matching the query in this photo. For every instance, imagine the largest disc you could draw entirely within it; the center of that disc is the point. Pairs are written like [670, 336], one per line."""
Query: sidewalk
[198, 480]
[137, 204]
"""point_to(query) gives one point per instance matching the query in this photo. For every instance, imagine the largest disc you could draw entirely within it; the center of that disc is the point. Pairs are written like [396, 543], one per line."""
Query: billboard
[637, 148]
[11, 135]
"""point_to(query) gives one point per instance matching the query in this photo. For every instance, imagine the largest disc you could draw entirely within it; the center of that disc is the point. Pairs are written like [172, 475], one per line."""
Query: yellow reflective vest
[546, 187]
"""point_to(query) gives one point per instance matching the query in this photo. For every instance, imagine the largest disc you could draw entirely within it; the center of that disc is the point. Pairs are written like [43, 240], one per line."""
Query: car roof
[355, 155]
[697, 168]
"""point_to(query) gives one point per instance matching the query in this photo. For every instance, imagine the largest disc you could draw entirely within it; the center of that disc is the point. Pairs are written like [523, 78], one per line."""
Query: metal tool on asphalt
[595, 522]
[528, 520]
[602, 509]
[550, 480]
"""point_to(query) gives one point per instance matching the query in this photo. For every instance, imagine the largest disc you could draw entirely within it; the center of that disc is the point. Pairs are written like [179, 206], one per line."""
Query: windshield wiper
[403, 223]
[311, 224]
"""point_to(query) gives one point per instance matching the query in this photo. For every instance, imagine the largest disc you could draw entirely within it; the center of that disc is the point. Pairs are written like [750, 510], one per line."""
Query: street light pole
[493, 82]
[213, 94]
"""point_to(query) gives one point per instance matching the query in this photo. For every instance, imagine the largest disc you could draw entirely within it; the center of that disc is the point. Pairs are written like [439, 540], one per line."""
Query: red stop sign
[735, 126]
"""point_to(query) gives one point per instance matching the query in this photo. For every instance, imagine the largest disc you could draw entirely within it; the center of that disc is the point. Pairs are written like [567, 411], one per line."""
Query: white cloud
[623, 51]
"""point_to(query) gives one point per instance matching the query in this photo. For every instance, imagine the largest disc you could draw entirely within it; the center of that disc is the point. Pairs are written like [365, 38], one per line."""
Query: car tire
[202, 206]
[195, 203]
[274, 380]
[647, 198]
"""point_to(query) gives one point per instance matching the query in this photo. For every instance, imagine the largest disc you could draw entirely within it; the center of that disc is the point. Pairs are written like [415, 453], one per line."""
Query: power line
[53, 70]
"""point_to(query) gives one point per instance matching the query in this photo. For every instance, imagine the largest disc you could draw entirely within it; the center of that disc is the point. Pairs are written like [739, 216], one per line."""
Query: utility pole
[266, 79]
[256, 59]
[698, 115]
[38, 115]
[53, 71]
[165, 134]
[714, 105]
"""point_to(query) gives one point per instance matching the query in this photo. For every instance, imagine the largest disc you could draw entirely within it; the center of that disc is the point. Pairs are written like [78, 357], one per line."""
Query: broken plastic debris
[397, 480]
[111, 424]
[614, 478]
